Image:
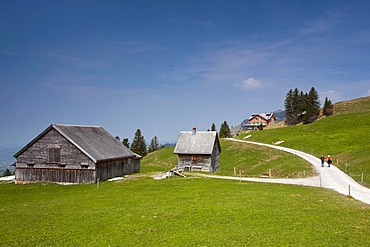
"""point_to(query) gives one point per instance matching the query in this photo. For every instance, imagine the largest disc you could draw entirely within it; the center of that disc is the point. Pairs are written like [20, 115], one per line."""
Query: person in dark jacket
[322, 161]
[329, 161]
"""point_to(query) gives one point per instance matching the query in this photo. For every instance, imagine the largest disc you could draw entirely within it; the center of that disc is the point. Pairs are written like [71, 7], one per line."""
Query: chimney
[194, 130]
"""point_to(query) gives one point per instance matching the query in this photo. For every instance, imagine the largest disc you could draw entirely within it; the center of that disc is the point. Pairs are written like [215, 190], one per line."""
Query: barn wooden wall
[117, 168]
[54, 175]
[37, 154]
[74, 166]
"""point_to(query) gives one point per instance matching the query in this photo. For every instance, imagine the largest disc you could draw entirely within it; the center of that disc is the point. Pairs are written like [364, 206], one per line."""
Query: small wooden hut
[198, 150]
[74, 154]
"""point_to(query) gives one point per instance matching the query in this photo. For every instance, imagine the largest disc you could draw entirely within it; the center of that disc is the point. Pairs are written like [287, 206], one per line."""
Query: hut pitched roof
[93, 141]
[200, 142]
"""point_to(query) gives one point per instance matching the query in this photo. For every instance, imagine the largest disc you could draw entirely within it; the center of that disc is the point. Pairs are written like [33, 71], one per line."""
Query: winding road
[329, 177]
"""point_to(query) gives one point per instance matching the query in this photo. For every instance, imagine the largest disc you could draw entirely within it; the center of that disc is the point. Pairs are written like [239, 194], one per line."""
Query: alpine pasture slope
[345, 136]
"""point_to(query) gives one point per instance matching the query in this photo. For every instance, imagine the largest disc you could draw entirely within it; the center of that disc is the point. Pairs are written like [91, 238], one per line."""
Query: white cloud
[250, 84]
[334, 96]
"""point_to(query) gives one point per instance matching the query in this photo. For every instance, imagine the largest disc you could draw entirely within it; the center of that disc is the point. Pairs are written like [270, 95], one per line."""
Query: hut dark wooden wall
[203, 162]
[198, 150]
[32, 164]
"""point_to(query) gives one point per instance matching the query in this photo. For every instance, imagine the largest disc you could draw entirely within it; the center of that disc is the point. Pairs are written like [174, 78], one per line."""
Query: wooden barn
[74, 154]
[198, 151]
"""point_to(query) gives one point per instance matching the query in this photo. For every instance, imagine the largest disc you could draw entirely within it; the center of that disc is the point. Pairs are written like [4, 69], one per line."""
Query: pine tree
[125, 142]
[213, 127]
[313, 106]
[154, 145]
[328, 107]
[301, 106]
[138, 144]
[296, 104]
[225, 130]
[7, 172]
[289, 112]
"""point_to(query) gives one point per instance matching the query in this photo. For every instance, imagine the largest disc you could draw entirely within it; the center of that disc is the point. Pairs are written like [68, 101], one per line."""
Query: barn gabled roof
[200, 142]
[94, 141]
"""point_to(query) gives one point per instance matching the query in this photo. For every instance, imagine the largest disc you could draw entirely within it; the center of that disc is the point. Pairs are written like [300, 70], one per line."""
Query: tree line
[304, 107]
[138, 144]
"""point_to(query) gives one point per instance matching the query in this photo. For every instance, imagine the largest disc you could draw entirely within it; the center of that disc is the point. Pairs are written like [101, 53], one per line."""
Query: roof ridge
[77, 125]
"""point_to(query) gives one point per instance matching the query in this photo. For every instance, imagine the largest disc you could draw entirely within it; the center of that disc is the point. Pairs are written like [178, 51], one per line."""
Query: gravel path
[329, 177]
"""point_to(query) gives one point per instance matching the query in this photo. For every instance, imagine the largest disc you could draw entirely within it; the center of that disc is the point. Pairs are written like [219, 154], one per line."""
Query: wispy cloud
[74, 60]
[316, 27]
[326, 22]
[334, 96]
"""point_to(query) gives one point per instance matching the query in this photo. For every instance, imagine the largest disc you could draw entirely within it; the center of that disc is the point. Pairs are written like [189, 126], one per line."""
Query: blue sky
[164, 66]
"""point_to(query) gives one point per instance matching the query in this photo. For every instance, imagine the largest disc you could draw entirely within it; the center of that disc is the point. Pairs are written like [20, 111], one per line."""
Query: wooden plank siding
[206, 163]
[73, 166]
[198, 150]
[29, 175]
[112, 169]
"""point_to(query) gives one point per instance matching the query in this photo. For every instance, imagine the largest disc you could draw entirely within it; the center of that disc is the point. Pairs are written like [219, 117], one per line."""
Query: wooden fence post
[349, 190]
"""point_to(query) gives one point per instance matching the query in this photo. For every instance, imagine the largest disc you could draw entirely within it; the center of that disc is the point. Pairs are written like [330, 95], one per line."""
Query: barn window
[54, 155]
[194, 158]
[84, 165]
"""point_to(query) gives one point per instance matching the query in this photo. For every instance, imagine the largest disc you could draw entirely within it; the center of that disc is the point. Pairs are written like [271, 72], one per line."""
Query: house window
[54, 155]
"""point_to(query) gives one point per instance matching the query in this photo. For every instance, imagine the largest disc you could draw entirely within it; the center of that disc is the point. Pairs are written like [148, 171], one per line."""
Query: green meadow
[238, 159]
[140, 211]
[193, 211]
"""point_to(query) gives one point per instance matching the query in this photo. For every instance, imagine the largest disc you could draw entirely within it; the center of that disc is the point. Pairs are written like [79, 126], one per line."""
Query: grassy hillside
[345, 136]
[352, 106]
[180, 212]
[254, 160]
[161, 160]
[248, 160]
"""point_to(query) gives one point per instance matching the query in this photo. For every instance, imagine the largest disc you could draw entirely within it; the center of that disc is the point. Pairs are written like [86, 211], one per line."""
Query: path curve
[329, 177]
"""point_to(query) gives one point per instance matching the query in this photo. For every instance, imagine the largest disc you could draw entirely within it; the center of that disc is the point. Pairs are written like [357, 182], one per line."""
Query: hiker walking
[329, 161]
[322, 161]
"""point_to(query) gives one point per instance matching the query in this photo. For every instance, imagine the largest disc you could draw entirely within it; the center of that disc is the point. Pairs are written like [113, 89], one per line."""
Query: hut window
[194, 158]
[54, 155]
[31, 164]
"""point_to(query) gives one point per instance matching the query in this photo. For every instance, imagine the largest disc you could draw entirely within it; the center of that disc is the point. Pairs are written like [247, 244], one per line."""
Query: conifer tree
[224, 130]
[328, 107]
[312, 106]
[213, 127]
[289, 112]
[125, 142]
[154, 145]
[7, 172]
[301, 106]
[138, 144]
